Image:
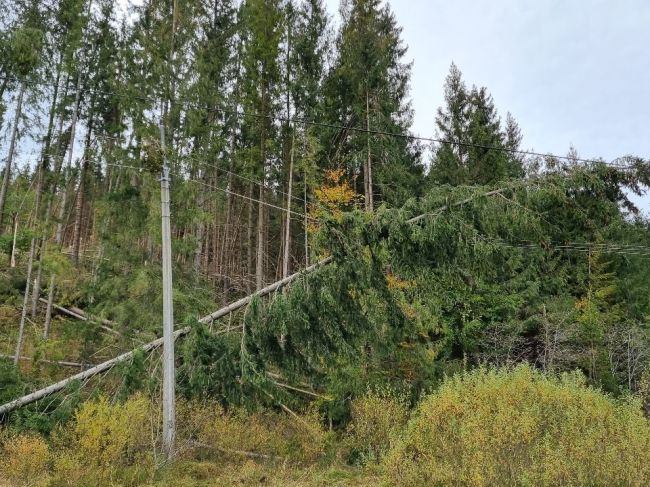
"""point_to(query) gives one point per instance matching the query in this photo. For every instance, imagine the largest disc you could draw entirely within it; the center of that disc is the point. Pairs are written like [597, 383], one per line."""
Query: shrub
[105, 443]
[518, 427]
[300, 439]
[377, 419]
[25, 461]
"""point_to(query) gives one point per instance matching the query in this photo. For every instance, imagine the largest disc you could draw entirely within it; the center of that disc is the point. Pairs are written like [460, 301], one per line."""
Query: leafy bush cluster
[488, 427]
[499, 427]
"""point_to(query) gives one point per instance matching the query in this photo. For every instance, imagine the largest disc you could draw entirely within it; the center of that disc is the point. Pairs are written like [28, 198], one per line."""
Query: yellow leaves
[377, 421]
[24, 461]
[394, 282]
[299, 439]
[103, 439]
[333, 197]
[518, 427]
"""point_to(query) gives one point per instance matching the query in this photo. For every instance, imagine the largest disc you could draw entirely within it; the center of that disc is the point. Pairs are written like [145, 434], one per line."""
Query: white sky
[573, 73]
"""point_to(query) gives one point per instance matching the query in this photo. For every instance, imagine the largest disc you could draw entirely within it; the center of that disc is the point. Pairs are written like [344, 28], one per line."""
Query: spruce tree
[368, 87]
[474, 147]
[261, 36]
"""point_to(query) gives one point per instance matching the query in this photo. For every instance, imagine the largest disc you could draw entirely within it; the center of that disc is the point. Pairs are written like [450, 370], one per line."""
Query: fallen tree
[105, 366]
[108, 365]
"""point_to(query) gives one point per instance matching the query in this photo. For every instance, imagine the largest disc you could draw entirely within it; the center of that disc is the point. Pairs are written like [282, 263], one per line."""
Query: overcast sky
[571, 72]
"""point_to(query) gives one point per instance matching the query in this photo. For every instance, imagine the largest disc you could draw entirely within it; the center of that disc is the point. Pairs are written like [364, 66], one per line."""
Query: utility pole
[169, 372]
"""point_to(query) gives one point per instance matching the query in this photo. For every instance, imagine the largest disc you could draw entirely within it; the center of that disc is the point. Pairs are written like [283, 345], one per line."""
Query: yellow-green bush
[377, 419]
[299, 439]
[106, 443]
[518, 427]
[24, 461]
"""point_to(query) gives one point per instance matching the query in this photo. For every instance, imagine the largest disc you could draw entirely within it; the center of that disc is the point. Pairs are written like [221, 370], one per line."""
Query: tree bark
[249, 234]
[23, 315]
[368, 169]
[73, 129]
[287, 229]
[12, 150]
[81, 195]
[12, 262]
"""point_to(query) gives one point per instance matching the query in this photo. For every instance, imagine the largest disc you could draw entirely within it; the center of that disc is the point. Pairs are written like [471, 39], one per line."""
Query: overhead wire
[303, 121]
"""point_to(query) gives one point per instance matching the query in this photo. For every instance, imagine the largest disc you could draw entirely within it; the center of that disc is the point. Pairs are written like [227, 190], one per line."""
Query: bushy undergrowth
[377, 421]
[520, 427]
[482, 428]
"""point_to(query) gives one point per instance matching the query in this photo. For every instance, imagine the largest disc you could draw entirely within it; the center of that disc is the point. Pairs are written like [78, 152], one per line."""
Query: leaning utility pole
[169, 372]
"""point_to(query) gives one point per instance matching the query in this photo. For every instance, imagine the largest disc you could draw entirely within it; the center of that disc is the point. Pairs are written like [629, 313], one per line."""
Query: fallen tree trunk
[62, 363]
[103, 367]
[81, 315]
[108, 365]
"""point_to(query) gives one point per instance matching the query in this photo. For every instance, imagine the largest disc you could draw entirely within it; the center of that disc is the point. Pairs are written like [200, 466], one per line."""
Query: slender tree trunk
[12, 150]
[48, 213]
[45, 157]
[368, 172]
[23, 315]
[12, 263]
[226, 246]
[81, 194]
[306, 223]
[249, 233]
[287, 229]
[259, 263]
[200, 230]
[73, 130]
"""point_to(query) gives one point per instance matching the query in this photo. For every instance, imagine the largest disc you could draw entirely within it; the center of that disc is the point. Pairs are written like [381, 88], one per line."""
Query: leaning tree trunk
[12, 150]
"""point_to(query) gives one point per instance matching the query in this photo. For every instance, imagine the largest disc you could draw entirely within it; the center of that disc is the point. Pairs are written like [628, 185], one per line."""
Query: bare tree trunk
[81, 195]
[48, 212]
[259, 263]
[287, 229]
[12, 150]
[306, 223]
[249, 233]
[13, 242]
[368, 169]
[48, 309]
[73, 130]
[23, 315]
[226, 245]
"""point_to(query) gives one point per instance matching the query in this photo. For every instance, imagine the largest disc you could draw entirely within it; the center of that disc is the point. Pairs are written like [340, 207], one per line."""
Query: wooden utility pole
[169, 372]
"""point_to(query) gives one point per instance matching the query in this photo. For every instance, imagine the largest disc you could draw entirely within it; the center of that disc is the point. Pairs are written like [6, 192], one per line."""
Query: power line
[227, 191]
[264, 203]
[302, 121]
